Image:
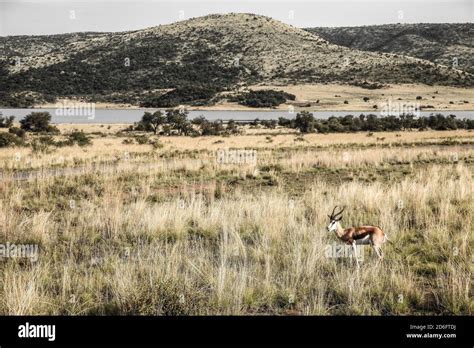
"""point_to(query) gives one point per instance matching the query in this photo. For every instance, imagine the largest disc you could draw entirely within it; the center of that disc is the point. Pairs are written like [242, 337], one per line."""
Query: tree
[178, 120]
[38, 122]
[304, 121]
[6, 122]
[152, 122]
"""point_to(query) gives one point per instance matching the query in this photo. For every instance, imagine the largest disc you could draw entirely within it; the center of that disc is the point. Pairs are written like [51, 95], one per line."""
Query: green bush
[6, 122]
[305, 122]
[17, 131]
[8, 139]
[151, 122]
[263, 98]
[193, 95]
[142, 139]
[38, 122]
[79, 138]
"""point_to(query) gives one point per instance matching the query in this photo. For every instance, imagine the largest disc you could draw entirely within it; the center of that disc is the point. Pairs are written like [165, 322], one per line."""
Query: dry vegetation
[171, 231]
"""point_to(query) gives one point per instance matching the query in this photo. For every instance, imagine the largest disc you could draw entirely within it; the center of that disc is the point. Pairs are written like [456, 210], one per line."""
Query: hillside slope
[438, 43]
[199, 57]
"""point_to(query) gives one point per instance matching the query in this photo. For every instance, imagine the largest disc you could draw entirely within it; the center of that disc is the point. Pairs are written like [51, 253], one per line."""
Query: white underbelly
[365, 240]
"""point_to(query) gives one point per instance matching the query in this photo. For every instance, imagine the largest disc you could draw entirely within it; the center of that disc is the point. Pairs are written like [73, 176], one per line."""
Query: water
[106, 116]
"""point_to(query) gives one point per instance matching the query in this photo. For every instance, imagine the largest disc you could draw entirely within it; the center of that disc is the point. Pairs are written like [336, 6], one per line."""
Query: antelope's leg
[379, 251]
[355, 253]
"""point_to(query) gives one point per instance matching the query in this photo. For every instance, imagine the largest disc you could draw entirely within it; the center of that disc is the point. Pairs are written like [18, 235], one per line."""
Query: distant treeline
[306, 123]
[175, 122]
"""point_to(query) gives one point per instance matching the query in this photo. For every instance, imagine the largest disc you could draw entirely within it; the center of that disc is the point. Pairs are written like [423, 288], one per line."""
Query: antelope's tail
[392, 243]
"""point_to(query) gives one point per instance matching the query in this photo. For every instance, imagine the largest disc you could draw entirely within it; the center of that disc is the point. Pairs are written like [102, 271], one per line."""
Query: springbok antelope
[372, 235]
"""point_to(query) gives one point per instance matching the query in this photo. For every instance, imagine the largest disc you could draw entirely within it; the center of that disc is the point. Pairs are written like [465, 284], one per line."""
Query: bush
[17, 131]
[285, 122]
[212, 128]
[157, 144]
[8, 139]
[271, 124]
[193, 95]
[39, 147]
[6, 122]
[262, 99]
[79, 138]
[142, 139]
[232, 127]
[151, 122]
[305, 122]
[38, 122]
[178, 121]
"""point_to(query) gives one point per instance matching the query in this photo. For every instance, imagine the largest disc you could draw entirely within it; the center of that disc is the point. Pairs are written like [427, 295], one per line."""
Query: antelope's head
[334, 218]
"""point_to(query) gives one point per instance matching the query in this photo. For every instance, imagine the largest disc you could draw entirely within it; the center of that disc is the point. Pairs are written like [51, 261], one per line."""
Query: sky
[40, 17]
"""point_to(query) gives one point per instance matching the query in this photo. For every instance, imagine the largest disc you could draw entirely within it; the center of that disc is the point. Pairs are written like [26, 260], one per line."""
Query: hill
[438, 43]
[190, 61]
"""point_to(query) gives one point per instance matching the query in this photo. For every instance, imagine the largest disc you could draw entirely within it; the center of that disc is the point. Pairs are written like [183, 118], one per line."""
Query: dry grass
[331, 97]
[190, 236]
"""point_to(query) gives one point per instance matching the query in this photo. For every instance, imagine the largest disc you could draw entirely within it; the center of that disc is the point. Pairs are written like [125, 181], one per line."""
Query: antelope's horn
[339, 213]
[332, 214]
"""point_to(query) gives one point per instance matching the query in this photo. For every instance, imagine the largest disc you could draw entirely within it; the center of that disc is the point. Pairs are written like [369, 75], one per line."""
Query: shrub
[142, 139]
[6, 122]
[285, 122]
[17, 131]
[157, 144]
[305, 122]
[198, 120]
[271, 124]
[212, 128]
[232, 127]
[79, 138]
[263, 99]
[38, 122]
[178, 121]
[193, 95]
[8, 139]
[151, 122]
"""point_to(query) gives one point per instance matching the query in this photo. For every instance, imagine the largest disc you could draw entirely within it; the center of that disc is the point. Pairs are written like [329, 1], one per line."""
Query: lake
[106, 116]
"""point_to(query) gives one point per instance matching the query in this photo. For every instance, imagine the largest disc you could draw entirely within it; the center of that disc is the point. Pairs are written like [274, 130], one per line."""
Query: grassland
[135, 229]
[336, 97]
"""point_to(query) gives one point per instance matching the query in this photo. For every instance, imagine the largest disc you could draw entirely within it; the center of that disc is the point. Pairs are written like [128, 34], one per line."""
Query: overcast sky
[29, 17]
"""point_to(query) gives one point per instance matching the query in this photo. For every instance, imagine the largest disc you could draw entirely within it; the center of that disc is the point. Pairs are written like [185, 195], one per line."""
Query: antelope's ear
[329, 217]
[339, 219]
